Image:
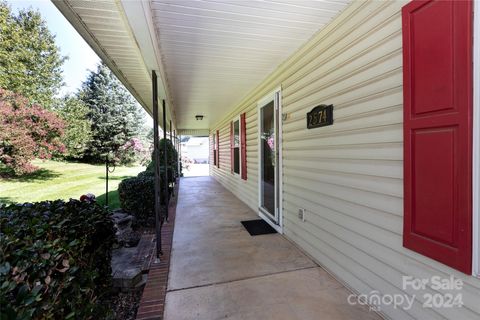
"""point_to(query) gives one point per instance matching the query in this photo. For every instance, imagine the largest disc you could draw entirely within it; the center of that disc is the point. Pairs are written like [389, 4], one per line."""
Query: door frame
[279, 163]
[476, 141]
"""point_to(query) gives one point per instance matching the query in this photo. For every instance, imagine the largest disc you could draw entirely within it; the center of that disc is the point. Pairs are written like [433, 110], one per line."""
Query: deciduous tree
[27, 131]
[30, 61]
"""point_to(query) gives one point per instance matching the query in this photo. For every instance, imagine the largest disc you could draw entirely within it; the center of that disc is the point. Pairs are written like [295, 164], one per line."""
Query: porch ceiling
[216, 51]
[209, 54]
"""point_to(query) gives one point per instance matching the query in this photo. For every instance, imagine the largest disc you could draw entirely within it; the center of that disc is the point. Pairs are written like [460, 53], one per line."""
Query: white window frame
[476, 140]
[237, 118]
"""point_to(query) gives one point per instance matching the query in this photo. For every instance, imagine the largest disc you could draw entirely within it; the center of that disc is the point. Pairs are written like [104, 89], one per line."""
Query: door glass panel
[267, 161]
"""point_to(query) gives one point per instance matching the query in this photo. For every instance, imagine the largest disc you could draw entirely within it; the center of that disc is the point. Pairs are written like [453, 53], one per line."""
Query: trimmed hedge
[172, 161]
[137, 197]
[55, 260]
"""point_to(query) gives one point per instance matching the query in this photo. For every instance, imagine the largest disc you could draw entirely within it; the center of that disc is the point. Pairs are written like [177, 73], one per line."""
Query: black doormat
[258, 227]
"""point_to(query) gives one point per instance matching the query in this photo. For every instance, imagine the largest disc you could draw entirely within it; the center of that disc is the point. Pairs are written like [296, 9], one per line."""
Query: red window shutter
[231, 147]
[243, 145]
[437, 68]
[218, 149]
[214, 149]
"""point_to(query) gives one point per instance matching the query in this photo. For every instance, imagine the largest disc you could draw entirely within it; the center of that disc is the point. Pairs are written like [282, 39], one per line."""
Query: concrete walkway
[219, 271]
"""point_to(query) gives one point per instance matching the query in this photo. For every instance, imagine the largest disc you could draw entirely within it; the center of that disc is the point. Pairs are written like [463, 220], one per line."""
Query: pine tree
[78, 127]
[115, 115]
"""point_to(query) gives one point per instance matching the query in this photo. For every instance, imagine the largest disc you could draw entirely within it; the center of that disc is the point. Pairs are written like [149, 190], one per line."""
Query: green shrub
[146, 173]
[137, 197]
[55, 260]
[151, 171]
[172, 160]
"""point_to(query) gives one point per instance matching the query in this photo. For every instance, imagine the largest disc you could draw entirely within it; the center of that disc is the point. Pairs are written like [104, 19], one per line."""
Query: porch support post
[173, 144]
[179, 153]
[176, 147]
[165, 158]
[156, 154]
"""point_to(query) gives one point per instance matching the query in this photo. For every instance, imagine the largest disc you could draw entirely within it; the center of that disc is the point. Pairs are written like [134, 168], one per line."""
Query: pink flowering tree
[133, 150]
[27, 131]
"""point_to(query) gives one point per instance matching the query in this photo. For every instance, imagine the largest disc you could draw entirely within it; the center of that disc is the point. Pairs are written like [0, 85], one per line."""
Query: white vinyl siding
[348, 176]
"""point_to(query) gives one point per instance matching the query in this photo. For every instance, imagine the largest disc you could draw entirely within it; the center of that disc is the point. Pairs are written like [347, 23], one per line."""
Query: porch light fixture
[199, 117]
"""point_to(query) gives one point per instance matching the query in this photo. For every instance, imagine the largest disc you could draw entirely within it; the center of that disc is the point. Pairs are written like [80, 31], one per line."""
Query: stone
[131, 277]
[128, 265]
[123, 225]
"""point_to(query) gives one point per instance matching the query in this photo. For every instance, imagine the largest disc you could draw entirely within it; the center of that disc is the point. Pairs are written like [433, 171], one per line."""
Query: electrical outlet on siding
[301, 214]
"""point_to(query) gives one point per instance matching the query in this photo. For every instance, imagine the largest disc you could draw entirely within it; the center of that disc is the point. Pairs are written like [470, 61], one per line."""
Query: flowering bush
[133, 150]
[186, 162]
[27, 131]
[89, 197]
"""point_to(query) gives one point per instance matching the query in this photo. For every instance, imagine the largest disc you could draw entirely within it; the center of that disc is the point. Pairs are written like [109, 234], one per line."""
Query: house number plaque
[320, 116]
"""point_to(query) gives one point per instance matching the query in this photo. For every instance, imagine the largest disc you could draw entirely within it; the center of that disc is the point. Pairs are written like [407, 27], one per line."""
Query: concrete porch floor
[219, 271]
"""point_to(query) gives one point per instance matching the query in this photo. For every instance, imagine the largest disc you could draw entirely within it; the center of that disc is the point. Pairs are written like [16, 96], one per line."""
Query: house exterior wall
[348, 176]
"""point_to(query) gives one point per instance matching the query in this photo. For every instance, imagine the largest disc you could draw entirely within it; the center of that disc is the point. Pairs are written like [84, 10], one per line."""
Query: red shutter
[214, 153]
[437, 60]
[218, 149]
[243, 144]
[231, 147]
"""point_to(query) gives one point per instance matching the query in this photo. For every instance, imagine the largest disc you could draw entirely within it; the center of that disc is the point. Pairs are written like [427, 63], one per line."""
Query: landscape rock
[123, 225]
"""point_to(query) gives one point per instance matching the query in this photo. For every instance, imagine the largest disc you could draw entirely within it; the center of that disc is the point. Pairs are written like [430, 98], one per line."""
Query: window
[236, 146]
[214, 142]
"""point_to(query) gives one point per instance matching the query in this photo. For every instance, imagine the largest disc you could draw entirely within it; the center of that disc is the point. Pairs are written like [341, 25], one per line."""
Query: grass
[64, 180]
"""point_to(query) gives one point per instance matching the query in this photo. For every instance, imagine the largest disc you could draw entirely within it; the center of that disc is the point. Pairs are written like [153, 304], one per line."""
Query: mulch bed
[125, 305]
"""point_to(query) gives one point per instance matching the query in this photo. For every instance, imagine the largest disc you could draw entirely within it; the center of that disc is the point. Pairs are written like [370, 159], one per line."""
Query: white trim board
[476, 139]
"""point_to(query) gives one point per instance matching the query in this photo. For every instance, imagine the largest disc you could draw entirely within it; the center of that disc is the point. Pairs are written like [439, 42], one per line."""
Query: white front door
[269, 159]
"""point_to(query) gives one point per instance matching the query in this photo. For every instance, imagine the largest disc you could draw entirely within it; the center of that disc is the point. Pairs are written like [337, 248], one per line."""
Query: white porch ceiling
[216, 51]
[209, 54]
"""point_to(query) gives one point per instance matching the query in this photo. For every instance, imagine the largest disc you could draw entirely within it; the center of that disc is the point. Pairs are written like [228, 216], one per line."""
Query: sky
[81, 58]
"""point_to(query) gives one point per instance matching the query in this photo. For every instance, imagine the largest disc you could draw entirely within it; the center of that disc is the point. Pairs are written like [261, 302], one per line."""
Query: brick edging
[152, 303]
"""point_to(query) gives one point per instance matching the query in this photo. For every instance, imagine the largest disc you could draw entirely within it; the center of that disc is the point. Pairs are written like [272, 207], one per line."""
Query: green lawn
[64, 180]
